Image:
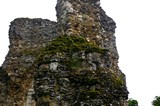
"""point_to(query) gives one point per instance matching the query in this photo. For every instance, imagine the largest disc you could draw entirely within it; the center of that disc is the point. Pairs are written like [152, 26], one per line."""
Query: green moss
[105, 86]
[91, 94]
[67, 46]
[92, 81]
[116, 80]
[74, 63]
[84, 79]
[28, 52]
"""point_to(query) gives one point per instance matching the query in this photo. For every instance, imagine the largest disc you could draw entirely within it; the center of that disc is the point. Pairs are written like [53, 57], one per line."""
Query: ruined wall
[71, 62]
[26, 36]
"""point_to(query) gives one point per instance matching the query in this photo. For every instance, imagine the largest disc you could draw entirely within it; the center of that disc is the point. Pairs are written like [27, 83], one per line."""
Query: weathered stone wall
[71, 62]
[87, 19]
[27, 37]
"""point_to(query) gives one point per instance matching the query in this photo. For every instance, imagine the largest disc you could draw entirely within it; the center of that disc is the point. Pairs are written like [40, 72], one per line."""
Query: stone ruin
[71, 62]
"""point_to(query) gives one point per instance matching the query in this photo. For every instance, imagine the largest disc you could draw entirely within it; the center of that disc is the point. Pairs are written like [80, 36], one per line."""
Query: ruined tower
[71, 62]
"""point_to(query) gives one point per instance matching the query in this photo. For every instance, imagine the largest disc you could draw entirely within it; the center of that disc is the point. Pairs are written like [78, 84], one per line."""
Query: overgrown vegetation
[84, 80]
[90, 94]
[71, 52]
[66, 46]
[132, 102]
[156, 101]
[92, 85]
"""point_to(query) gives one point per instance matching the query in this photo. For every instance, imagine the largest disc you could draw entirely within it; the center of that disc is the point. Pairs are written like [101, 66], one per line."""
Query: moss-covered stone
[74, 66]
[88, 95]
[84, 80]
[95, 85]
[67, 46]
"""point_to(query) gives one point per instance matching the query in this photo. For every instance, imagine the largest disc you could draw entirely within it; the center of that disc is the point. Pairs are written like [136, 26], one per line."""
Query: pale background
[138, 38]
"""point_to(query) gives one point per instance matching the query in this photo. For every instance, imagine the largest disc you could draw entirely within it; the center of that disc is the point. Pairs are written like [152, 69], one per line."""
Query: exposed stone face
[71, 62]
[27, 36]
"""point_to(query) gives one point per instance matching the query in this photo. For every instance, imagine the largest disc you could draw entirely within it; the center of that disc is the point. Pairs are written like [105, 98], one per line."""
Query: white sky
[138, 38]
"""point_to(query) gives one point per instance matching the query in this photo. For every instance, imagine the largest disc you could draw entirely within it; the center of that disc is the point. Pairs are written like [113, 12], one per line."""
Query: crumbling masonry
[71, 62]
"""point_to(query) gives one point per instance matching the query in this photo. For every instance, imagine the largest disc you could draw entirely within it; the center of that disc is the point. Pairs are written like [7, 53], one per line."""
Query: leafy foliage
[156, 101]
[132, 102]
